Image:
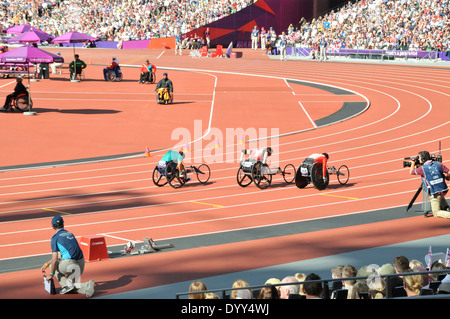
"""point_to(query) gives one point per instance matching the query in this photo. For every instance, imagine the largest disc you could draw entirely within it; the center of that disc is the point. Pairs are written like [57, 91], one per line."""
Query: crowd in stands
[118, 19]
[379, 24]
[367, 282]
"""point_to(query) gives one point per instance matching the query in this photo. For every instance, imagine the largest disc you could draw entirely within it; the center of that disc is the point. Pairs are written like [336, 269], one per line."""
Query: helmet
[269, 151]
[182, 154]
[326, 155]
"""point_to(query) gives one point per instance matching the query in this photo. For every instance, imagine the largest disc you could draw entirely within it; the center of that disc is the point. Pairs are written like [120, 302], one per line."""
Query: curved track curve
[117, 199]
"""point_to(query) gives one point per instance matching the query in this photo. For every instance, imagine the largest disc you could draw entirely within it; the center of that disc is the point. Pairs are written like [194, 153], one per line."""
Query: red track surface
[408, 113]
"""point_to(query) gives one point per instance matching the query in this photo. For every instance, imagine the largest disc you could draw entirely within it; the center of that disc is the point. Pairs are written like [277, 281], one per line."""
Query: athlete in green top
[176, 157]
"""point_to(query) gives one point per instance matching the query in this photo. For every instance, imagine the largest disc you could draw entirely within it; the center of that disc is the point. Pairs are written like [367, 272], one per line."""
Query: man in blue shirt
[67, 262]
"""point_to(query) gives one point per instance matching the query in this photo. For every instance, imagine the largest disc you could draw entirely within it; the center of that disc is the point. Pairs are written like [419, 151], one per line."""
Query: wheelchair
[163, 96]
[21, 103]
[78, 75]
[313, 173]
[258, 172]
[148, 77]
[167, 172]
[114, 75]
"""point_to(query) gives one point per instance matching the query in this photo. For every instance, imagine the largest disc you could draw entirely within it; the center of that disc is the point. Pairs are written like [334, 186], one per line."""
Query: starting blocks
[149, 246]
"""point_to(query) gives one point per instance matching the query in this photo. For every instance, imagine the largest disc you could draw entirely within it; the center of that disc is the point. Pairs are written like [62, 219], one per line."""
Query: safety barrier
[372, 54]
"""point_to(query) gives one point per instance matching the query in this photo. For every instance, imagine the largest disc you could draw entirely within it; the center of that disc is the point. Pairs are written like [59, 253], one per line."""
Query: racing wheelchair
[260, 173]
[167, 172]
[313, 173]
[114, 75]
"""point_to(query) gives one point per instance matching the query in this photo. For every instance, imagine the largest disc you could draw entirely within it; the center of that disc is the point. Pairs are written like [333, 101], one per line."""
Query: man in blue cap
[67, 263]
[164, 86]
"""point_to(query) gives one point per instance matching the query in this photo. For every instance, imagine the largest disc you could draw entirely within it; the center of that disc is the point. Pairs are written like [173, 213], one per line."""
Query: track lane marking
[202, 203]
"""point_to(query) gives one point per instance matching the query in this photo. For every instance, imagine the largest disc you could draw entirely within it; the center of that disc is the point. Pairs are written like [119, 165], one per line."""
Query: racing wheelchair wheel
[243, 179]
[176, 178]
[203, 173]
[343, 174]
[21, 103]
[158, 178]
[261, 175]
[289, 173]
[317, 176]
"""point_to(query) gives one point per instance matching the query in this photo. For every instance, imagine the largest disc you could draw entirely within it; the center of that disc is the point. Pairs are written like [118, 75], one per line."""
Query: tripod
[426, 205]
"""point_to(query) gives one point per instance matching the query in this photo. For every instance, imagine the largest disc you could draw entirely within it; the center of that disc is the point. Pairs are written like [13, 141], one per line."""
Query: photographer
[433, 174]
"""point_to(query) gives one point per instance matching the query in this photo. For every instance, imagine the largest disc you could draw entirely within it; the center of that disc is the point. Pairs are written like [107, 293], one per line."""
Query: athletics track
[58, 162]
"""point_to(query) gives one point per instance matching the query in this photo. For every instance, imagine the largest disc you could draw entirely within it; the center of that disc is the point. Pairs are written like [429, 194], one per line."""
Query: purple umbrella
[27, 55]
[18, 29]
[30, 37]
[74, 37]
[35, 37]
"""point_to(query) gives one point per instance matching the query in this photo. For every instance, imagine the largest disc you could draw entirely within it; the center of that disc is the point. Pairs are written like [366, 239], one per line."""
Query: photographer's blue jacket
[434, 177]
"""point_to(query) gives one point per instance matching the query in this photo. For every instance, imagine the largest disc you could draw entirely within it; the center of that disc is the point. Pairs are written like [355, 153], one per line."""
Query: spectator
[401, 265]
[300, 278]
[437, 265]
[197, 286]
[119, 20]
[239, 284]
[287, 290]
[312, 290]
[336, 273]
[349, 271]
[268, 293]
[412, 284]
[379, 24]
[357, 290]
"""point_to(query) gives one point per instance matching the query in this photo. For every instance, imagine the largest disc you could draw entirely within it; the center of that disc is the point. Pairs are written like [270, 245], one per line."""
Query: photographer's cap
[57, 221]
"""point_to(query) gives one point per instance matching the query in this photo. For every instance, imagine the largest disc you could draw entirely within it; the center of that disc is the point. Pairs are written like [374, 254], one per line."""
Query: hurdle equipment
[94, 247]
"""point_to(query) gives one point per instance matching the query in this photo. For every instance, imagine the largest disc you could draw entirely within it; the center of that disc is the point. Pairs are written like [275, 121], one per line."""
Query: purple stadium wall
[263, 13]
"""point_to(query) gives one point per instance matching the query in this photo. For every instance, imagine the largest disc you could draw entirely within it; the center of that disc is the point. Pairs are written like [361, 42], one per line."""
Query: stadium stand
[379, 24]
[118, 20]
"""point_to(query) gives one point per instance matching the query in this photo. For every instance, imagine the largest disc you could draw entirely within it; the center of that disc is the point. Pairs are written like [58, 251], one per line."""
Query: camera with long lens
[415, 159]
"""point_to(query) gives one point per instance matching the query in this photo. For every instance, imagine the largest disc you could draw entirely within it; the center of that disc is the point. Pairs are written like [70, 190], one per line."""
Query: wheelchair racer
[317, 158]
[177, 158]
